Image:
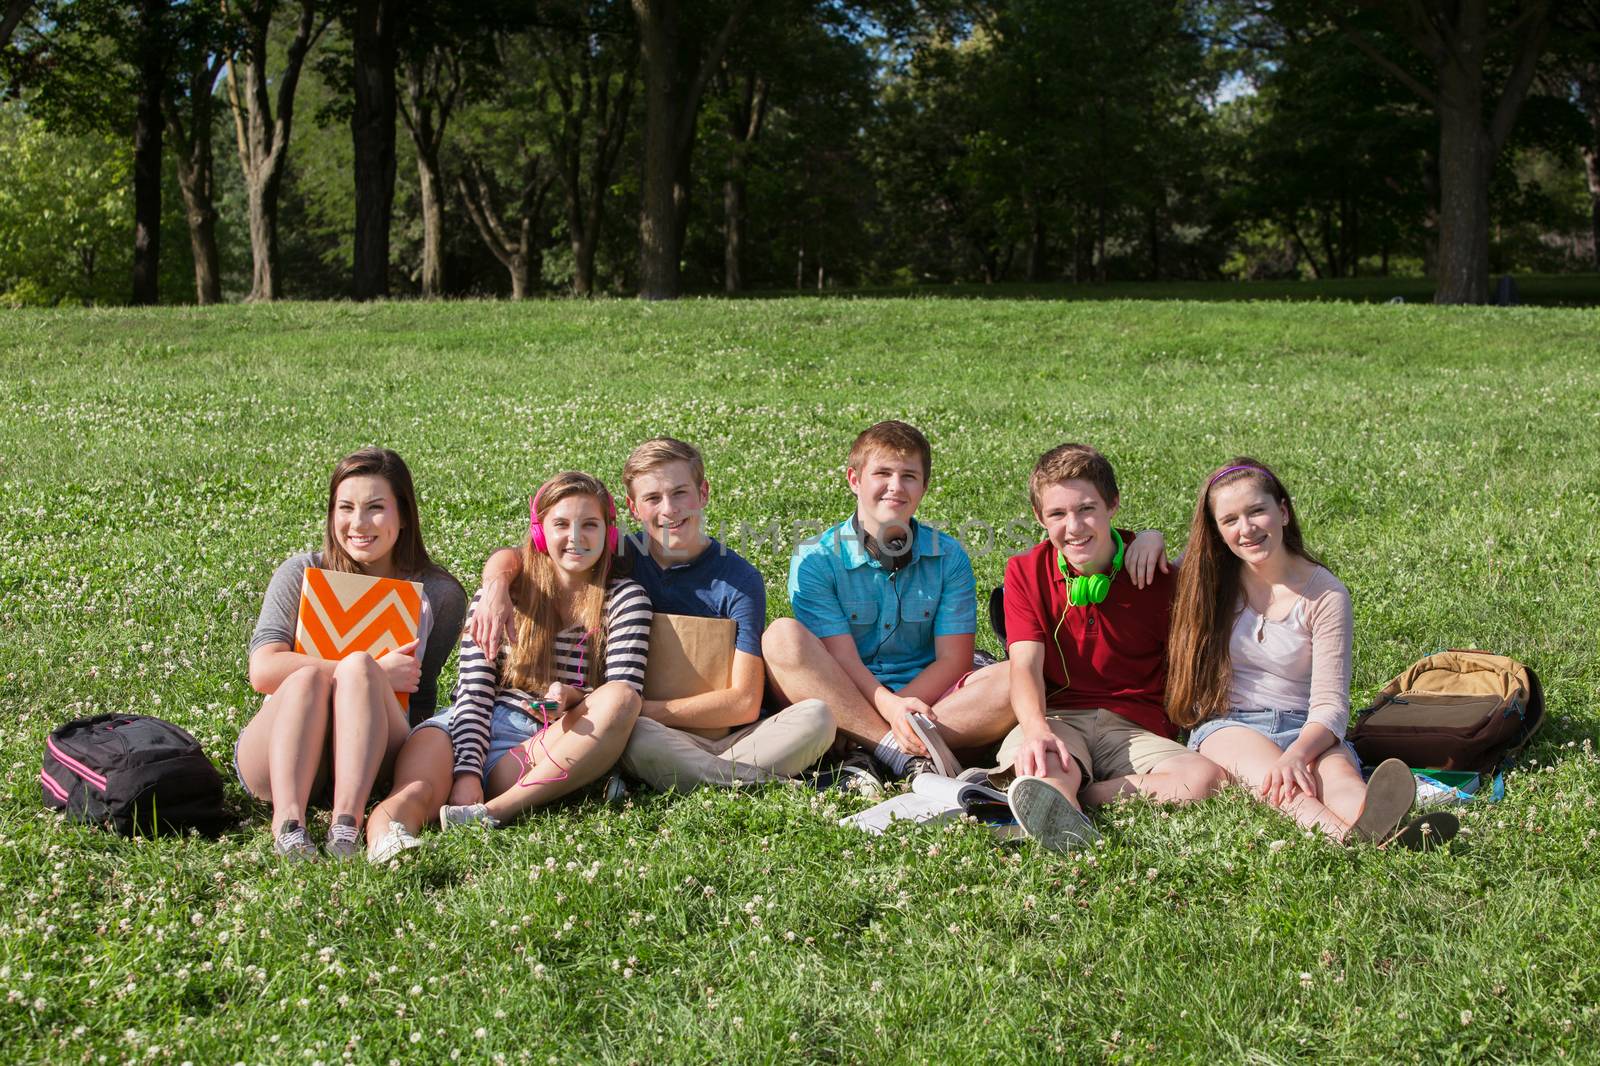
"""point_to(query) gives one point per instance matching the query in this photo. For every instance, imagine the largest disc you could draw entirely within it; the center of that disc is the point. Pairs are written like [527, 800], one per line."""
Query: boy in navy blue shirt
[716, 737]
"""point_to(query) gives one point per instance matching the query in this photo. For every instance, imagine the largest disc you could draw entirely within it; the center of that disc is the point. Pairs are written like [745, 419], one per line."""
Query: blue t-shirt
[717, 583]
[836, 588]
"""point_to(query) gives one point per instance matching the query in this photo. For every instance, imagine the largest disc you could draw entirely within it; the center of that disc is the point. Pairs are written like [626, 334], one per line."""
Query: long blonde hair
[537, 599]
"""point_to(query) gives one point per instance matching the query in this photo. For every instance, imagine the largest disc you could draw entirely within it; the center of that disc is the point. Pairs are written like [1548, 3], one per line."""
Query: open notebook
[341, 614]
[934, 798]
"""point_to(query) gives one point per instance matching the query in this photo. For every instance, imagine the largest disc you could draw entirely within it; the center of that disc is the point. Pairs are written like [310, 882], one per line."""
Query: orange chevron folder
[341, 614]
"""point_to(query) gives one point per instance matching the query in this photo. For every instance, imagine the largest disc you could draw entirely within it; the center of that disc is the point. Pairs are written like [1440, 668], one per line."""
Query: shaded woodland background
[170, 151]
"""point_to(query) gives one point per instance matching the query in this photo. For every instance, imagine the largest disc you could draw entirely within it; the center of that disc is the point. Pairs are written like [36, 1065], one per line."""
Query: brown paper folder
[688, 656]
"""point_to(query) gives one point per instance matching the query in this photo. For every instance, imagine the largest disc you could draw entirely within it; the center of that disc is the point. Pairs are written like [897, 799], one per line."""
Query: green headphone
[1084, 589]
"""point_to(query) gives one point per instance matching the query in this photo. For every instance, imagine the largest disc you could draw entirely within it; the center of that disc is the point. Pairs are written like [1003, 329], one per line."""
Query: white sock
[888, 752]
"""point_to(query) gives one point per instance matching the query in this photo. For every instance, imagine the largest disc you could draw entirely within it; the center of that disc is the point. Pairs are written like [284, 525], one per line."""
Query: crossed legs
[800, 667]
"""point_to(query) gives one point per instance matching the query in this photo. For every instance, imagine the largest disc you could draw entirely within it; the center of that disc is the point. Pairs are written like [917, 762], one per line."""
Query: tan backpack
[1454, 710]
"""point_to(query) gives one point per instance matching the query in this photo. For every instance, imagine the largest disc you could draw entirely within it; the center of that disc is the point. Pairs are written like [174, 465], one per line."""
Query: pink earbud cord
[544, 727]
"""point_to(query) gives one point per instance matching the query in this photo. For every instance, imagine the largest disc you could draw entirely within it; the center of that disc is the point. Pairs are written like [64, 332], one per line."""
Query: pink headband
[1234, 469]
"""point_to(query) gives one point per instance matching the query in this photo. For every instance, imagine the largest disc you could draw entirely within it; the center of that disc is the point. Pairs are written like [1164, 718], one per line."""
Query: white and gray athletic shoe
[294, 843]
[1049, 817]
[344, 839]
[396, 842]
[469, 814]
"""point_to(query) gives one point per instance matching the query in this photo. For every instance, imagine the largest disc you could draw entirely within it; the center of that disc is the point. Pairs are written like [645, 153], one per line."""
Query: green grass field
[156, 466]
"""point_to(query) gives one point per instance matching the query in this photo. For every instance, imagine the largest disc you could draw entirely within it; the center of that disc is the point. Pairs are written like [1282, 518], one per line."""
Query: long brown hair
[408, 556]
[1199, 672]
[534, 594]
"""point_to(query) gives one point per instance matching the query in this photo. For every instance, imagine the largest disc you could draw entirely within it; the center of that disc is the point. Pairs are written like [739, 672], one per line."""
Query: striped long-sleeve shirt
[627, 616]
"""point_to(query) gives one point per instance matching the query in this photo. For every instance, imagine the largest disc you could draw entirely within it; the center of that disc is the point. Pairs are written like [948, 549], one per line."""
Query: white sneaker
[1049, 817]
[392, 844]
[469, 814]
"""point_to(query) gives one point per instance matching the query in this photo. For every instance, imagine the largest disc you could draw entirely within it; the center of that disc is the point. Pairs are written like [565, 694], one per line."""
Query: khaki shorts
[1104, 743]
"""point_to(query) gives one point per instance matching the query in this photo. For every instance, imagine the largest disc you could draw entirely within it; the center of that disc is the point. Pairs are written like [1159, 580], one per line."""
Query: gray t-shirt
[444, 609]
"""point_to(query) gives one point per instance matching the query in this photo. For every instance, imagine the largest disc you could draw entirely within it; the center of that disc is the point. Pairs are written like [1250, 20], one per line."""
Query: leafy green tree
[1481, 56]
[262, 127]
[63, 212]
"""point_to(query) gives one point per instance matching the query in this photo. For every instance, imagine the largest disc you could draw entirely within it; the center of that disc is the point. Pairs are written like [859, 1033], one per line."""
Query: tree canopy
[654, 147]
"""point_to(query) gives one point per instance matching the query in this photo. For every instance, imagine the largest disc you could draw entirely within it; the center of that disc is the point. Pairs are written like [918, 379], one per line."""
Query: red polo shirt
[1111, 655]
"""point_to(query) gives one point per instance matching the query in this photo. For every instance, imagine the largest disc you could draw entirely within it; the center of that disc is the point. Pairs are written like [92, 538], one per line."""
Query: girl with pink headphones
[550, 710]
[1259, 666]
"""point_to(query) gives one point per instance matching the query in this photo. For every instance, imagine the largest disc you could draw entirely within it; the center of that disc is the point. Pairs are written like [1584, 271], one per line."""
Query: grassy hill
[156, 466]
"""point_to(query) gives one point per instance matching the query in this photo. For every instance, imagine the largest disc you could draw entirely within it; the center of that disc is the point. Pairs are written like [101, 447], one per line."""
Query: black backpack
[133, 773]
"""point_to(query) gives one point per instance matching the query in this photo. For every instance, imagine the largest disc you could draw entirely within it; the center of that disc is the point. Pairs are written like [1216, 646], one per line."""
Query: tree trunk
[262, 193]
[523, 256]
[196, 176]
[1036, 244]
[262, 139]
[521, 276]
[659, 250]
[147, 130]
[1465, 162]
[202, 217]
[431, 190]
[372, 133]
[583, 248]
[1153, 236]
[15, 9]
[1589, 94]
[672, 104]
[1456, 38]
[433, 84]
[732, 235]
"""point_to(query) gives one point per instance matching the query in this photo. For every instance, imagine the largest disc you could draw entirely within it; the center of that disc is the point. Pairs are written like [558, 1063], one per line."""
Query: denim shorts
[510, 728]
[1280, 727]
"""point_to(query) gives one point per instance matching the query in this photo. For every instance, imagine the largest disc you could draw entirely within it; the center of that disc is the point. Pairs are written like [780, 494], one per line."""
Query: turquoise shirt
[835, 588]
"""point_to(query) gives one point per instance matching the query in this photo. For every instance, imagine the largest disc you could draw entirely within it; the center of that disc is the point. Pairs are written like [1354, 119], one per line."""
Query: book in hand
[935, 798]
[689, 656]
[341, 614]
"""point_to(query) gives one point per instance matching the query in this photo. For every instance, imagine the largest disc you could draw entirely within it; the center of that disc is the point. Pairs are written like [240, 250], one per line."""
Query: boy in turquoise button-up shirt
[885, 614]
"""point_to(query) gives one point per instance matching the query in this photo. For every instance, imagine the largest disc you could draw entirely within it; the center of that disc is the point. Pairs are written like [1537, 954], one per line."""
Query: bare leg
[1248, 755]
[581, 746]
[800, 668]
[1066, 778]
[422, 778]
[280, 750]
[978, 712]
[1343, 791]
[368, 729]
[1180, 779]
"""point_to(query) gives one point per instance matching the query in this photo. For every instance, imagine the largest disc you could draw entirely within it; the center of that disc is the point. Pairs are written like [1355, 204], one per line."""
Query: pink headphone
[536, 528]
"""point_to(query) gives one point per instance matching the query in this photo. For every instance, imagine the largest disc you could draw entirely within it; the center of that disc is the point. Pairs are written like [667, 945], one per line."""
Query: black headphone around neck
[893, 554]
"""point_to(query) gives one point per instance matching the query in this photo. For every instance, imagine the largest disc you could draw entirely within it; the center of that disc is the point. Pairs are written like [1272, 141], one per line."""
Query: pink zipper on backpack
[50, 783]
[74, 765]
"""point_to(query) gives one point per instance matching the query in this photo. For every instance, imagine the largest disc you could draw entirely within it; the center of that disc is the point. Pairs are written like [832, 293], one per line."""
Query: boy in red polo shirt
[1088, 653]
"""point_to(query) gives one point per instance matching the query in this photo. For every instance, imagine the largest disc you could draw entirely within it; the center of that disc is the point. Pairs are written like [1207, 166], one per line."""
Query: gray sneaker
[344, 839]
[473, 813]
[1049, 817]
[916, 765]
[858, 773]
[294, 843]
